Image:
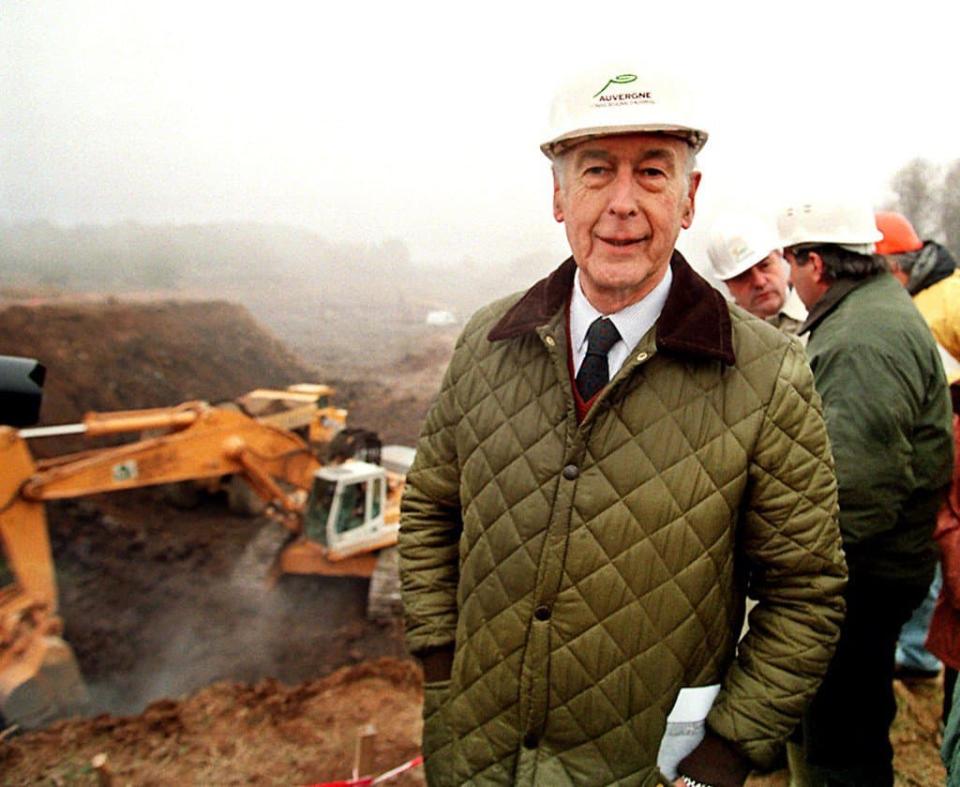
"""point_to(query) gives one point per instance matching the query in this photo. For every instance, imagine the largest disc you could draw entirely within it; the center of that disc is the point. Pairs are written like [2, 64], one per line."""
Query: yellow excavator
[342, 519]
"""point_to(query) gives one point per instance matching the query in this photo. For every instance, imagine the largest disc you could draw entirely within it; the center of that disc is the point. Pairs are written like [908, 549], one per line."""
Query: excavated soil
[236, 734]
[200, 673]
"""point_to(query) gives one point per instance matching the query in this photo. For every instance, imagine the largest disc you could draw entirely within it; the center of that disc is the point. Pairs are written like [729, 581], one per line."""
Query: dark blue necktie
[594, 371]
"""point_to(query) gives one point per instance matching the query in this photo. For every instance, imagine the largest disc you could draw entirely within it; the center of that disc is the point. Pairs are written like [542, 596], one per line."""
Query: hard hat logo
[737, 242]
[622, 79]
[624, 104]
[739, 248]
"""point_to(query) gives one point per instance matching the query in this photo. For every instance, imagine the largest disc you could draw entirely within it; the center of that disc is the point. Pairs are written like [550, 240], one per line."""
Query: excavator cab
[21, 390]
[346, 507]
[350, 528]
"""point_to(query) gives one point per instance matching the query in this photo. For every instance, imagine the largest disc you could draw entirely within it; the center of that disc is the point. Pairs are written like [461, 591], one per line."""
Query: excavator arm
[204, 442]
[39, 679]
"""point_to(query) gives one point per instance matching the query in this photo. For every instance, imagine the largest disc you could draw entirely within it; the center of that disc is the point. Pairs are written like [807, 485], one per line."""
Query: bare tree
[917, 189]
[950, 209]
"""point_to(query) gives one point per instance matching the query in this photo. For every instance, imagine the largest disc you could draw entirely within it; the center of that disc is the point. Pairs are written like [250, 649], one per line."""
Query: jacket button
[542, 612]
[530, 741]
[570, 472]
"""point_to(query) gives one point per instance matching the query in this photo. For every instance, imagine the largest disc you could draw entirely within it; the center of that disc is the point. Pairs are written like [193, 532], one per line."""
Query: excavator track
[255, 569]
[383, 599]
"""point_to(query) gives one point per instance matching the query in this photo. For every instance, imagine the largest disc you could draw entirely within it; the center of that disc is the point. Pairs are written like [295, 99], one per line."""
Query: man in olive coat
[885, 400]
[615, 460]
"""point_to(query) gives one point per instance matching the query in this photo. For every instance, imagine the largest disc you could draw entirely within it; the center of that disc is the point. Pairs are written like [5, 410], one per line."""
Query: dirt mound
[229, 733]
[114, 355]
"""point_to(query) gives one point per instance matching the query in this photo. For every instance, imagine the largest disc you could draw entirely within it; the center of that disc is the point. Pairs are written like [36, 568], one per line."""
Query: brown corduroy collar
[695, 320]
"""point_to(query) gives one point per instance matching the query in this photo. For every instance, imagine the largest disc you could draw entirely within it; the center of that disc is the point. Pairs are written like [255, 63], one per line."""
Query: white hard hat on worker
[847, 223]
[616, 101]
[823, 221]
[737, 243]
[623, 144]
[744, 252]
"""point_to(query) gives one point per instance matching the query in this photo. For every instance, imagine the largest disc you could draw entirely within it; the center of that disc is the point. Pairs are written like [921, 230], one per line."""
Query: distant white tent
[441, 317]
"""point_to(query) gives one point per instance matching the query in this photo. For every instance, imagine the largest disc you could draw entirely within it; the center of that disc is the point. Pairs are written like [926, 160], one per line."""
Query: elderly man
[888, 414]
[745, 255]
[614, 460]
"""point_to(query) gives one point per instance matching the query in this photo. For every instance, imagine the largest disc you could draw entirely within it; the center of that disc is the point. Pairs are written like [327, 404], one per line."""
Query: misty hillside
[249, 262]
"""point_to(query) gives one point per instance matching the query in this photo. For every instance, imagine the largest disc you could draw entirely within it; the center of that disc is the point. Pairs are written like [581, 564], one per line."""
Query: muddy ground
[237, 734]
[199, 672]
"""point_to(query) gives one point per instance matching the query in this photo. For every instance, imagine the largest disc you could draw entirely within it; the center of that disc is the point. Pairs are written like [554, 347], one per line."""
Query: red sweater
[943, 639]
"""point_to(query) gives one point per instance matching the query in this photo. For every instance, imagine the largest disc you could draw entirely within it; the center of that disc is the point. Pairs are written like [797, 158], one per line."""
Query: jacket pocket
[437, 737]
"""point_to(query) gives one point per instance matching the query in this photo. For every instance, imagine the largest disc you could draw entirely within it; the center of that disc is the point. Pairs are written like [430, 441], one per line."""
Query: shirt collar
[632, 321]
[793, 307]
[695, 321]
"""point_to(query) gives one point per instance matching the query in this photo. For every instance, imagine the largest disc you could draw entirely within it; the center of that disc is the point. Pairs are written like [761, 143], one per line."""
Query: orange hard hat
[898, 234]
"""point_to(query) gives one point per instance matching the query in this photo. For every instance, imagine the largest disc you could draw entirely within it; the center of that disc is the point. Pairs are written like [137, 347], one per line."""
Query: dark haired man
[885, 402]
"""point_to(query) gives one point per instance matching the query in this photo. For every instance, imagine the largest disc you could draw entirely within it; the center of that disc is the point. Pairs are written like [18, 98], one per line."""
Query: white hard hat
[622, 102]
[738, 242]
[848, 223]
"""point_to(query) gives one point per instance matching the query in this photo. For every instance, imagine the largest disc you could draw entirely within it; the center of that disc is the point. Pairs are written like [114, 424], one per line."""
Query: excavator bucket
[43, 687]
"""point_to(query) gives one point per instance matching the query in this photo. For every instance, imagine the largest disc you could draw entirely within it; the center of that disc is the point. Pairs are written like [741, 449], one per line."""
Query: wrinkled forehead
[631, 147]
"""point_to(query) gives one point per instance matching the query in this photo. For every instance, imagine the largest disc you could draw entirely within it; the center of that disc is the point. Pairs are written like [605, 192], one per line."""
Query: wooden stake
[364, 752]
[104, 776]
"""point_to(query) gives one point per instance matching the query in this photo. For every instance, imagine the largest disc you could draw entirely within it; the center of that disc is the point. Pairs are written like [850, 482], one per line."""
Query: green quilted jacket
[586, 572]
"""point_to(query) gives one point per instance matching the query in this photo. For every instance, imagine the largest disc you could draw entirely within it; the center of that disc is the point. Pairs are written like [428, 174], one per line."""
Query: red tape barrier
[368, 781]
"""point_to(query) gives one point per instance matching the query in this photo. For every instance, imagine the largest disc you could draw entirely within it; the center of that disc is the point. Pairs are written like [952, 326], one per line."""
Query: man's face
[762, 288]
[804, 278]
[624, 200]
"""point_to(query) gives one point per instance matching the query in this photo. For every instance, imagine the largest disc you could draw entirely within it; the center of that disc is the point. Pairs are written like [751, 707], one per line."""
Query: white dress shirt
[632, 322]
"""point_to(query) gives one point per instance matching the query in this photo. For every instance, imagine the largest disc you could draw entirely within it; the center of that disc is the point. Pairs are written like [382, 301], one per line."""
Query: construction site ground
[200, 673]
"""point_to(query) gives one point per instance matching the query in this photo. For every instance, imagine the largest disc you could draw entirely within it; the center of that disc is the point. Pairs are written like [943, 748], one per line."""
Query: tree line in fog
[929, 195]
[164, 256]
[247, 262]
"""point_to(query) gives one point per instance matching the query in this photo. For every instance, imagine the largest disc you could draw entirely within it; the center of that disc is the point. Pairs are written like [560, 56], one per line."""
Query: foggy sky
[421, 121]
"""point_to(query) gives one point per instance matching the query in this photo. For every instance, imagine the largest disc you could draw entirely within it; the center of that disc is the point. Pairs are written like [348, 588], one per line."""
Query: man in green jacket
[615, 460]
[885, 400]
